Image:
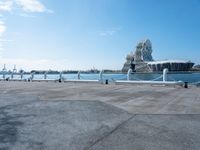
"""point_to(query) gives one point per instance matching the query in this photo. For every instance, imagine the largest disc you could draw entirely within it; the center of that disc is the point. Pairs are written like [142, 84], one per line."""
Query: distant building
[196, 67]
[172, 65]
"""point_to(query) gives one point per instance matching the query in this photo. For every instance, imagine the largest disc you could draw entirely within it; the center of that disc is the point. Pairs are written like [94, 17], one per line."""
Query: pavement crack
[107, 134]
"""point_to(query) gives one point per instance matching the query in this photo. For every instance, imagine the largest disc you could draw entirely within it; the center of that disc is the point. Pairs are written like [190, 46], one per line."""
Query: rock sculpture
[141, 55]
[142, 61]
[143, 51]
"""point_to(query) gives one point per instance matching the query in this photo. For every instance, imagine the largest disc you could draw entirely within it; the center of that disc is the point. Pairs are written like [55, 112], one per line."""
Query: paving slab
[154, 132]
[134, 99]
[55, 125]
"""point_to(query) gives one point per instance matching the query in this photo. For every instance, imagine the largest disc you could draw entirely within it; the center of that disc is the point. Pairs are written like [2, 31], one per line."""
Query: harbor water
[190, 77]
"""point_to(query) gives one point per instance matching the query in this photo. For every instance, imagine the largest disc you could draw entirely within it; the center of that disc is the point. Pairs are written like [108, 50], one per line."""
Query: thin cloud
[2, 31]
[109, 32]
[25, 7]
[32, 6]
[27, 15]
[6, 5]
[2, 28]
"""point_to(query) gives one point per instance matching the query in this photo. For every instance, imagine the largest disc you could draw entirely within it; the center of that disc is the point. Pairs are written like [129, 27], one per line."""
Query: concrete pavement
[93, 116]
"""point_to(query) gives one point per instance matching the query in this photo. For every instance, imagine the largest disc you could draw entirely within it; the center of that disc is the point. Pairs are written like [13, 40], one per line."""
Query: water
[186, 77]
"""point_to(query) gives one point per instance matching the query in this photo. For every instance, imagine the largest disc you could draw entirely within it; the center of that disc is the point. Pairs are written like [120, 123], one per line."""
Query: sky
[85, 34]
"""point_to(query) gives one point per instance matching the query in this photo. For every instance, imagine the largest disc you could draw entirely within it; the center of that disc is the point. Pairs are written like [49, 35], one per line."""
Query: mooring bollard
[186, 85]
[106, 81]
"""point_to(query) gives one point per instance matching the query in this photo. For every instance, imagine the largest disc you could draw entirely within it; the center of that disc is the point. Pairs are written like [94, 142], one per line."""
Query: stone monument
[138, 60]
[142, 61]
[143, 51]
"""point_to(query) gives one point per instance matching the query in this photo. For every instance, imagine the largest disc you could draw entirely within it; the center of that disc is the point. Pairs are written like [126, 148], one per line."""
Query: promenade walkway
[76, 116]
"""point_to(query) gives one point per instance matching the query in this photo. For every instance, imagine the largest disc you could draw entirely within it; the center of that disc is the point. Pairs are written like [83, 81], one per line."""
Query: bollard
[129, 74]
[106, 81]
[186, 85]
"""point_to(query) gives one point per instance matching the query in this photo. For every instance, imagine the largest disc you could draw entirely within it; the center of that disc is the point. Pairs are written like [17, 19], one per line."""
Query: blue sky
[82, 34]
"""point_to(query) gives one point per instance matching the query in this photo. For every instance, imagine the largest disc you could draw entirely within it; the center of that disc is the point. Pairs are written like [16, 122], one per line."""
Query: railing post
[4, 74]
[12, 75]
[79, 75]
[21, 75]
[4, 71]
[60, 77]
[129, 74]
[165, 71]
[101, 76]
[32, 75]
[45, 75]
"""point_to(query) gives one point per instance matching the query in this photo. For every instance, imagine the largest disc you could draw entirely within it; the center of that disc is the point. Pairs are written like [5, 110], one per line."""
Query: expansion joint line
[106, 135]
